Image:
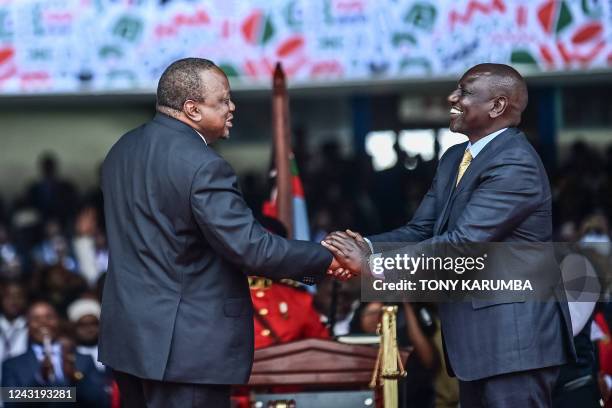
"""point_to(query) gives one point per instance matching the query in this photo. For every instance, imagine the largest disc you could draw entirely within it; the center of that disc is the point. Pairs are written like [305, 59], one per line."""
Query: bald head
[504, 81]
[488, 97]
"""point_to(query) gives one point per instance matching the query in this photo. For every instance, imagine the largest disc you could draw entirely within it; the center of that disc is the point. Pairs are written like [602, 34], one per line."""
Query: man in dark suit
[177, 319]
[491, 189]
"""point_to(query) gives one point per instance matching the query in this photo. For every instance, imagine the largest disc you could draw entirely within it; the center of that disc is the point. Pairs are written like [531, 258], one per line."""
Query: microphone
[47, 343]
[48, 350]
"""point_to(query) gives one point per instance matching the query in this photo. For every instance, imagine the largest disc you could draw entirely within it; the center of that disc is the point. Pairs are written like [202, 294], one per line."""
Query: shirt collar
[202, 136]
[87, 349]
[481, 143]
[18, 323]
[40, 351]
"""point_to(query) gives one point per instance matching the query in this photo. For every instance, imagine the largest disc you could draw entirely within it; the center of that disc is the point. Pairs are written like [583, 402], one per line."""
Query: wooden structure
[315, 365]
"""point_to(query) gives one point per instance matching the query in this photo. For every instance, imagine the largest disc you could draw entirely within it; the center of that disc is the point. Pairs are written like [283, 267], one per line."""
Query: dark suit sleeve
[509, 192]
[9, 378]
[230, 228]
[17, 373]
[420, 227]
[507, 195]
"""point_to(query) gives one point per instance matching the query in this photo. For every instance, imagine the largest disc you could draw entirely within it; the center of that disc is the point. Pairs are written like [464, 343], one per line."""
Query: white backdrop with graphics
[72, 46]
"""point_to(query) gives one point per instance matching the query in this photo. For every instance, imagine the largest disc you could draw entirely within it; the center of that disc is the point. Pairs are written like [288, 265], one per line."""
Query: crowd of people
[53, 259]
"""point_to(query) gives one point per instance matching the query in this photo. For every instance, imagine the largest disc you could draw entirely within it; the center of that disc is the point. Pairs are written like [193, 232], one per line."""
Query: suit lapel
[479, 162]
[473, 170]
[450, 188]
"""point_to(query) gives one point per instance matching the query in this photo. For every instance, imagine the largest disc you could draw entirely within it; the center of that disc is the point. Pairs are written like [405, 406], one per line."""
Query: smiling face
[42, 321]
[472, 104]
[212, 114]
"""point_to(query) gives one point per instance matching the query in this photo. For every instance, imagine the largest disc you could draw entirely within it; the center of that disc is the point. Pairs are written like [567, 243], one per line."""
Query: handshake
[350, 251]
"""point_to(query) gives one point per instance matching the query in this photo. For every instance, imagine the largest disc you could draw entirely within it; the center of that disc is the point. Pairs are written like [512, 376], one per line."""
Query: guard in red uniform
[283, 313]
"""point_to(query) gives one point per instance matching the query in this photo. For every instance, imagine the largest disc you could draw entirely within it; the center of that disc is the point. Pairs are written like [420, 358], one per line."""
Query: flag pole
[282, 151]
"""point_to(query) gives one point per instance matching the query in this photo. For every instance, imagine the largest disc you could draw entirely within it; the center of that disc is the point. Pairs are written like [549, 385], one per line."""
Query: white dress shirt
[56, 359]
[13, 337]
[481, 143]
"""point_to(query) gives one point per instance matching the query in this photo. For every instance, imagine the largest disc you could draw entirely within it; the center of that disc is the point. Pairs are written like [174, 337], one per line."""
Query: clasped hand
[350, 251]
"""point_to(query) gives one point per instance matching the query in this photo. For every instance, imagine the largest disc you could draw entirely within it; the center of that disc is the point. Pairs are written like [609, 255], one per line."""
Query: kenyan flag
[301, 229]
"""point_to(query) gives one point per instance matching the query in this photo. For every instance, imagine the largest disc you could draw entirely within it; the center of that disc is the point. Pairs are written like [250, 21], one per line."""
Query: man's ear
[192, 111]
[500, 104]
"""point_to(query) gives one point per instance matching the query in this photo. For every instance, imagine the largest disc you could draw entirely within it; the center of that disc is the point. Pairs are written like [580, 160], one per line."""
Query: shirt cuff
[371, 260]
[369, 244]
[375, 270]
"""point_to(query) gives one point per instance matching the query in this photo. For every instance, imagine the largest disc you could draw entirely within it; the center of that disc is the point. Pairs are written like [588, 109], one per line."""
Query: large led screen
[73, 46]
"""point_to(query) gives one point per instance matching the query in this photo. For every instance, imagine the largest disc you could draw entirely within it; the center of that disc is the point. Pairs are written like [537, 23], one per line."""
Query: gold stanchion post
[389, 367]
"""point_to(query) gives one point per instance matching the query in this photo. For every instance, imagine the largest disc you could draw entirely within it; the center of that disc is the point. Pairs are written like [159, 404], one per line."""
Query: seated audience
[13, 325]
[50, 363]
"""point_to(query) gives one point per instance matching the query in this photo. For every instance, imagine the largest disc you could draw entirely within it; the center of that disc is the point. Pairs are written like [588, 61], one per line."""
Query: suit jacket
[504, 196]
[24, 371]
[176, 303]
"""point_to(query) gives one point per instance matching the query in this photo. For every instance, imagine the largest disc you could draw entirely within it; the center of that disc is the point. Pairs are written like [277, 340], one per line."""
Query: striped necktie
[465, 163]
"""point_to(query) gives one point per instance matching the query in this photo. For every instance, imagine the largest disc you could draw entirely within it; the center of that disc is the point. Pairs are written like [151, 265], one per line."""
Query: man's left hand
[350, 251]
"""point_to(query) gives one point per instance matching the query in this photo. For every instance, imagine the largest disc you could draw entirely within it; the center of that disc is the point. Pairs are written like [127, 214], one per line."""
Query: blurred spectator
[580, 185]
[50, 363]
[578, 383]
[337, 302]
[52, 196]
[10, 262]
[84, 314]
[54, 249]
[602, 335]
[94, 198]
[58, 286]
[90, 246]
[595, 234]
[41, 363]
[594, 241]
[13, 325]
[567, 232]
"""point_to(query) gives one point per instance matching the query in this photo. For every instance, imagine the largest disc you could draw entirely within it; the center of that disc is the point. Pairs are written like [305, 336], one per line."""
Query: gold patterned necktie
[465, 163]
